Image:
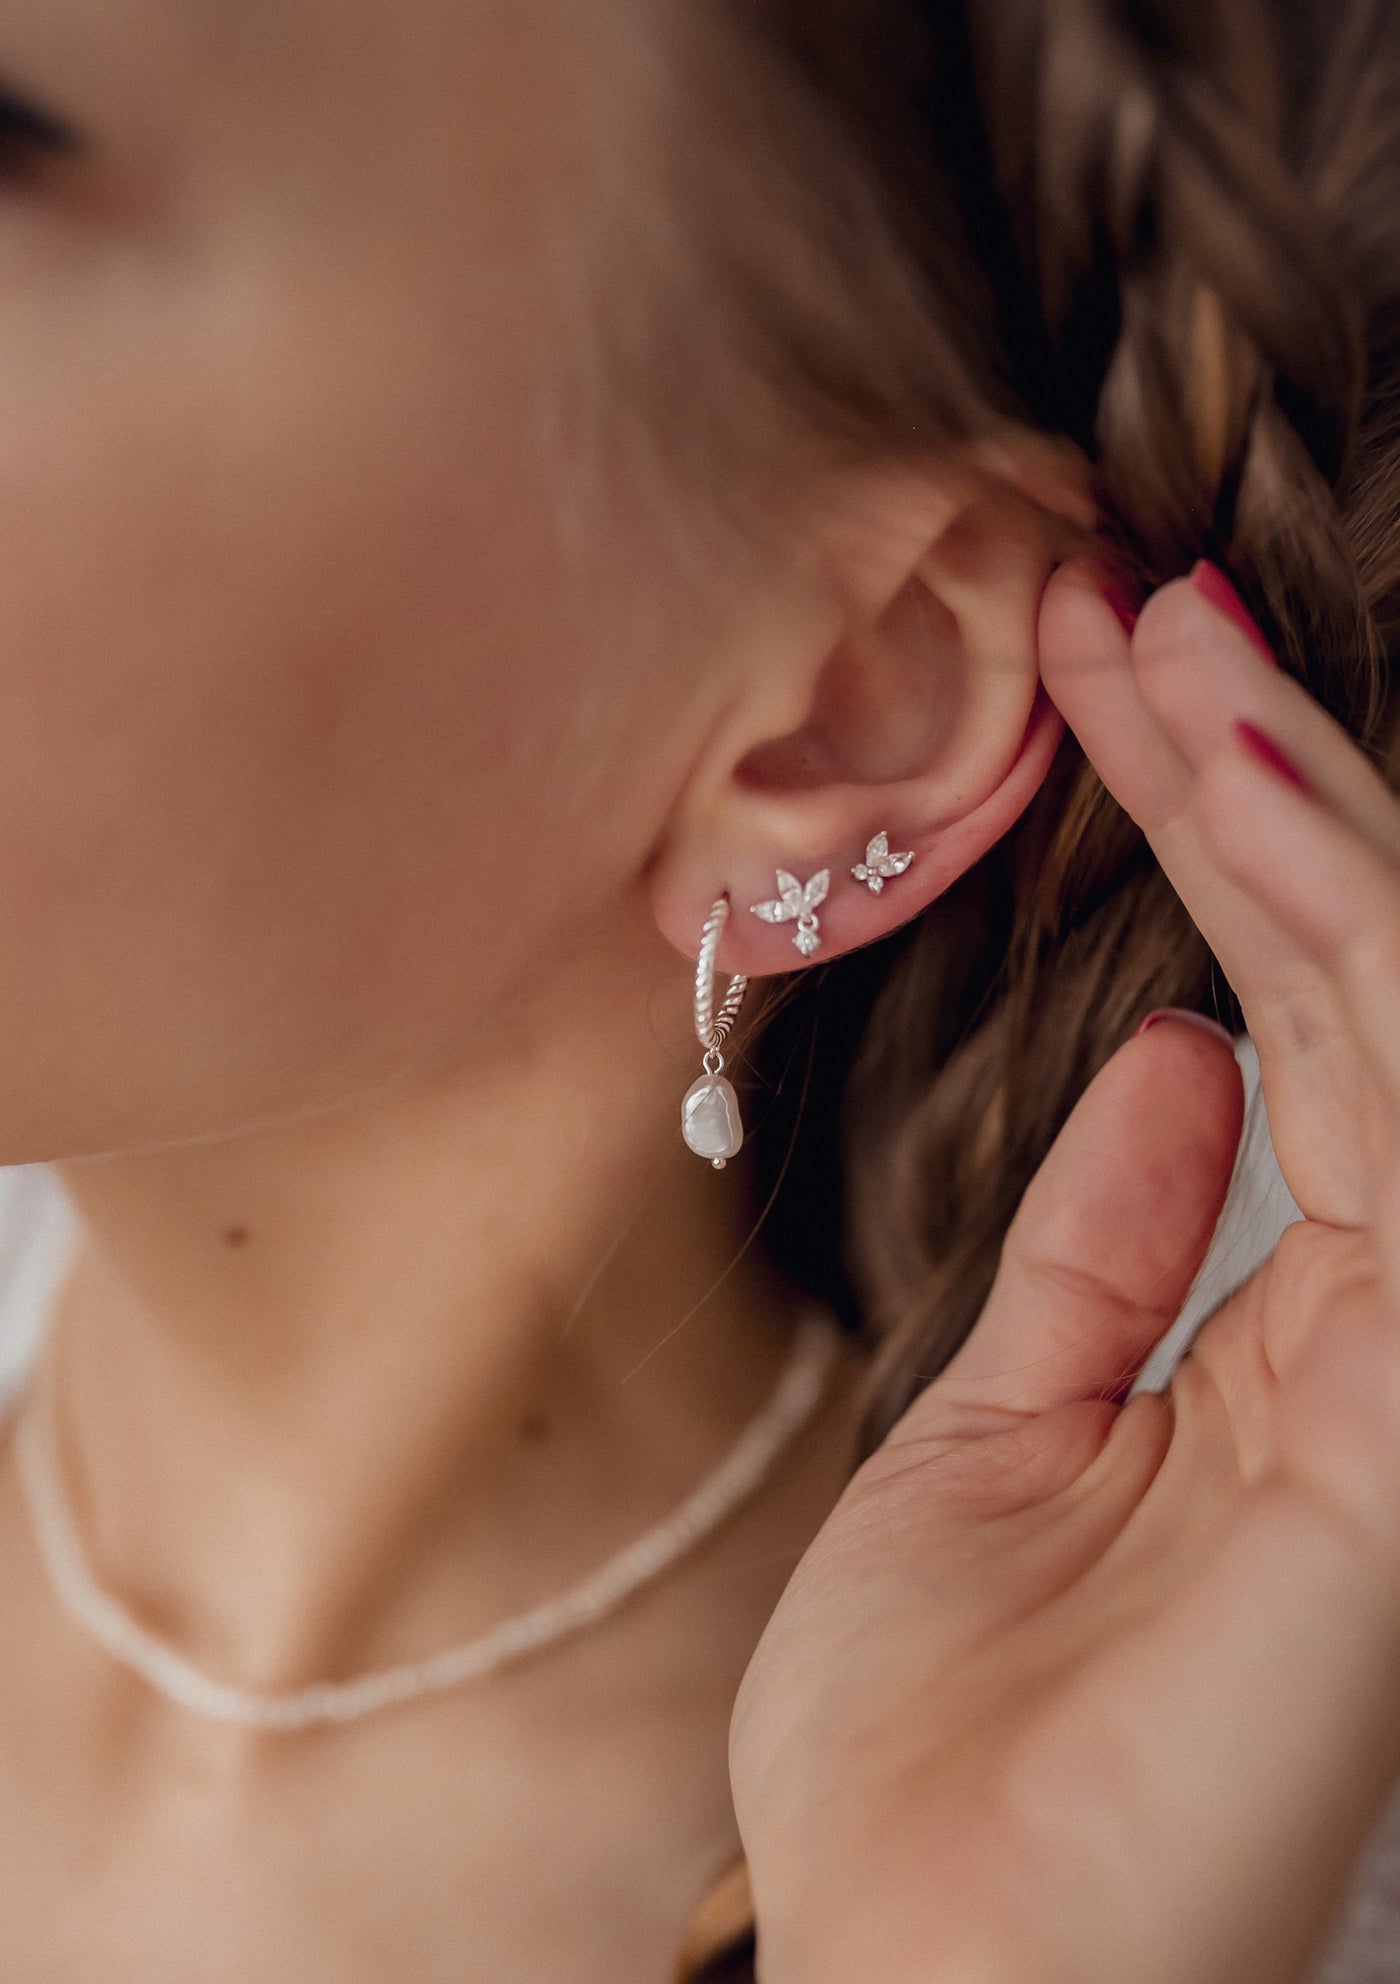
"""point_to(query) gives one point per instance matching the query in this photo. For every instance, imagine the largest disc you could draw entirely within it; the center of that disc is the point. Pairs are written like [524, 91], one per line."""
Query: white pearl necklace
[748, 1462]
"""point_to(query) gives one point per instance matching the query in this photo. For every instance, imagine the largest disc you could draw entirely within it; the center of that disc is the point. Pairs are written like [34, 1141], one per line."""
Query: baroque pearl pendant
[710, 1119]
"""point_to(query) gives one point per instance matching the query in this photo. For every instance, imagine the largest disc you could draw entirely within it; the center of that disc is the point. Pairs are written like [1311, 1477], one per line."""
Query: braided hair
[1165, 233]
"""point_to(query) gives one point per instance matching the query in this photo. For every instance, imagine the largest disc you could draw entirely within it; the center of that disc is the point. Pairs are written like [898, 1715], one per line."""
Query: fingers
[1199, 674]
[1109, 1236]
[1298, 891]
[1087, 670]
[1324, 879]
[1172, 698]
[1289, 810]
[1152, 711]
[1094, 675]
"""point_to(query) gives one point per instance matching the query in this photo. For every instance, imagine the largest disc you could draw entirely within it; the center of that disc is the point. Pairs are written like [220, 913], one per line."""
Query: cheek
[309, 730]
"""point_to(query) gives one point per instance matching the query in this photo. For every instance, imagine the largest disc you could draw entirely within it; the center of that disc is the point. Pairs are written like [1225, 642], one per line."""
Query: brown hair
[1167, 232]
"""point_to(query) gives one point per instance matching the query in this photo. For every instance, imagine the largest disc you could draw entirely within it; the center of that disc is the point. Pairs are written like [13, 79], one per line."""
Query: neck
[331, 1394]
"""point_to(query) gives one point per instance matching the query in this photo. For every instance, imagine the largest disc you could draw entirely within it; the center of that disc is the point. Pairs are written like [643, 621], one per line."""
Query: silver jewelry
[879, 865]
[747, 1464]
[710, 1120]
[800, 901]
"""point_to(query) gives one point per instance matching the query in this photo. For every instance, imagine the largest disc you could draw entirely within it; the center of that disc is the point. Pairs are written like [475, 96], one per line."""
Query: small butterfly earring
[799, 902]
[879, 865]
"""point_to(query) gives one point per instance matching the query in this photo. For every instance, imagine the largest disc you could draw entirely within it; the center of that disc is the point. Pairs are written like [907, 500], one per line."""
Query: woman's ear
[906, 701]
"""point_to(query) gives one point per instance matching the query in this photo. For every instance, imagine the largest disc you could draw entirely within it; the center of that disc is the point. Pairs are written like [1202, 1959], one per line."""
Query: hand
[1068, 1690]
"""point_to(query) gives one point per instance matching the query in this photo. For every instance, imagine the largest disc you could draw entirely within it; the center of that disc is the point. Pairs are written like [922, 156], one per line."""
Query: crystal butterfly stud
[797, 902]
[879, 865]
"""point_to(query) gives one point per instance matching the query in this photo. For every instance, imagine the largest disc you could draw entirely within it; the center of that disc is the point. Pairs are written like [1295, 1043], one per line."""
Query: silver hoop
[710, 1119]
[712, 1029]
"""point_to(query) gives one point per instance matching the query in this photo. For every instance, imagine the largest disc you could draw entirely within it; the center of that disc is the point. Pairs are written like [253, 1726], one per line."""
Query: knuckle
[1162, 681]
[1315, 1273]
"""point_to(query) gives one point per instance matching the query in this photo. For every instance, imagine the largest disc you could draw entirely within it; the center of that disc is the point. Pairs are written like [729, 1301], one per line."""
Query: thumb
[1108, 1238]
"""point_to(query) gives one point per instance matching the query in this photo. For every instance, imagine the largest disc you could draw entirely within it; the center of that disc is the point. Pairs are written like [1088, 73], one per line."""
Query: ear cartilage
[879, 865]
[797, 902]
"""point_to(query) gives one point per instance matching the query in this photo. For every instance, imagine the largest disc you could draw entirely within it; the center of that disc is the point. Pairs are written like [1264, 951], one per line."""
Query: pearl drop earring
[710, 1121]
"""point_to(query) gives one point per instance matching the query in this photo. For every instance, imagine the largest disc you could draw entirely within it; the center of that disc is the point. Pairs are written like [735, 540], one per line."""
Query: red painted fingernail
[1186, 1017]
[1211, 583]
[1122, 605]
[1265, 752]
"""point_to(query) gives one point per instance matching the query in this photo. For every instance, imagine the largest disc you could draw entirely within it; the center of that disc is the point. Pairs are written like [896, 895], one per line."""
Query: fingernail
[1122, 605]
[1212, 584]
[1265, 752]
[1188, 1018]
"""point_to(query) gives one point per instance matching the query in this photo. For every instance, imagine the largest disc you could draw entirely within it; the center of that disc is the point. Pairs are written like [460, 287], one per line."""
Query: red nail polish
[1211, 583]
[1265, 752]
[1120, 602]
[1185, 1017]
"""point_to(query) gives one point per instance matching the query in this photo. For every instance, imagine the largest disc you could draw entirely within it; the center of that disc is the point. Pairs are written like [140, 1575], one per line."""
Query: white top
[1257, 1208]
[38, 1227]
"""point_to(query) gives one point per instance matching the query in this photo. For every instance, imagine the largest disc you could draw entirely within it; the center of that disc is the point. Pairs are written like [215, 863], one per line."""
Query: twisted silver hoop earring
[710, 1121]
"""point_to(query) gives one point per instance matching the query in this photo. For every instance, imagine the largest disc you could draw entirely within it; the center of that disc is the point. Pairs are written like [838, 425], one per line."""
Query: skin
[1134, 1664]
[372, 756]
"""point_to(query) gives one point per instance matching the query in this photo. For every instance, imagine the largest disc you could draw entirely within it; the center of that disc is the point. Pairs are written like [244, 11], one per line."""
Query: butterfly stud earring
[879, 865]
[797, 902]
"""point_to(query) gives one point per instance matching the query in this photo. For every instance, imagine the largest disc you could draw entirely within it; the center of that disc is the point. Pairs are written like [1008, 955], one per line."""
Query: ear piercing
[797, 901]
[879, 865]
[710, 1120]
